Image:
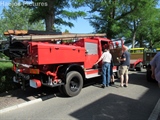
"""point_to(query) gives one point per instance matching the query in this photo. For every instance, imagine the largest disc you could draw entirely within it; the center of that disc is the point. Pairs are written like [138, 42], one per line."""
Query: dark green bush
[6, 75]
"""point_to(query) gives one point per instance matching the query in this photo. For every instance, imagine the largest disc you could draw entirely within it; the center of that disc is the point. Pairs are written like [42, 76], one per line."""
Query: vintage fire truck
[136, 60]
[50, 60]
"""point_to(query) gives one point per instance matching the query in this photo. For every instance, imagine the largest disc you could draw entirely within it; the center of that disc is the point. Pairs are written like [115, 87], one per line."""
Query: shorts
[123, 70]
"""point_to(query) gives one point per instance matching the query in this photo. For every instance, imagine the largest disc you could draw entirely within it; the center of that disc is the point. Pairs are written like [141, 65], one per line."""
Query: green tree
[139, 23]
[122, 18]
[54, 12]
[105, 15]
[17, 17]
[152, 34]
[66, 31]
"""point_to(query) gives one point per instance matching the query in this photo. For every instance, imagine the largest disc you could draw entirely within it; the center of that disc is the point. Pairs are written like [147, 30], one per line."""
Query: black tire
[74, 83]
[139, 67]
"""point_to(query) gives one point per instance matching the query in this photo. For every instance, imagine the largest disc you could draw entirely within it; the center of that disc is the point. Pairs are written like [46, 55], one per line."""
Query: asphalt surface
[17, 98]
[12, 99]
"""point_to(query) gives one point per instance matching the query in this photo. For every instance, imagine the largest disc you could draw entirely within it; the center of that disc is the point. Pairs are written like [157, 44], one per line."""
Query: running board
[92, 75]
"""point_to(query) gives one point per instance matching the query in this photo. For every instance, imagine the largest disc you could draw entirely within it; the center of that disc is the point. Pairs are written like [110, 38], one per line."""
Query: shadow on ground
[114, 107]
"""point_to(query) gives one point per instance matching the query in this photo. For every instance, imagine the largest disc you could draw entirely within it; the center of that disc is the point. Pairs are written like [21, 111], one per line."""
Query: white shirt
[106, 57]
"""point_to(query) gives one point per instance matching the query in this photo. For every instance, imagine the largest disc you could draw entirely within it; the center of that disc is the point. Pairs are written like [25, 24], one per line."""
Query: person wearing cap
[117, 44]
[124, 66]
[106, 61]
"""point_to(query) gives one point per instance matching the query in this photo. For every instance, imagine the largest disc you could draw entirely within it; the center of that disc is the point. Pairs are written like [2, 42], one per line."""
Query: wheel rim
[74, 84]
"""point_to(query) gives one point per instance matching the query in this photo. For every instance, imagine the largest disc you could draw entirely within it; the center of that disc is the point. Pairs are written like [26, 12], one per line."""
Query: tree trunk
[109, 32]
[49, 23]
[49, 20]
[133, 39]
[134, 34]
[141, 41]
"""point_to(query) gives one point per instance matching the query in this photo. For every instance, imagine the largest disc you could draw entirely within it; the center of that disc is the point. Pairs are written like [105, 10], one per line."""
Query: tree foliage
[140, 23]
[106, 14]
[136, 20]
[54, 12]
[17, 17]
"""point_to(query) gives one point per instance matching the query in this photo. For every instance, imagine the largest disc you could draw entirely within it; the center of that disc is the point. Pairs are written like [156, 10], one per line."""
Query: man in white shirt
[106, 61]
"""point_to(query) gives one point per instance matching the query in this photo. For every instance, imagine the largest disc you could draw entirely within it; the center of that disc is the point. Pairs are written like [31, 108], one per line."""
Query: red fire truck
[50, 60]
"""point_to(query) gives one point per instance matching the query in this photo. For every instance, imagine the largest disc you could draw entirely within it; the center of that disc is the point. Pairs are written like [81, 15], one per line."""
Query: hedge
[6, 75]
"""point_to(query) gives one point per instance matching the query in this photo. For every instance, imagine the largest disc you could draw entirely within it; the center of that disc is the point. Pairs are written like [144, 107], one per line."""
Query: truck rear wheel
[74, 83]
[139, 67]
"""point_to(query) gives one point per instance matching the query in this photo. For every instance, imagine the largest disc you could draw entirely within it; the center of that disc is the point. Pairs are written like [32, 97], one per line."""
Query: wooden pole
[55, 37]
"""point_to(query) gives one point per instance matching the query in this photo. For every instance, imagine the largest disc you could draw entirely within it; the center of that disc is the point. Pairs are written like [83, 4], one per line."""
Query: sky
[80, 25]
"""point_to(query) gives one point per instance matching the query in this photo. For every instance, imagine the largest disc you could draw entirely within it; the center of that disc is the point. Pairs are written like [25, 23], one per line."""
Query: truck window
[104, 45]
[91, 48]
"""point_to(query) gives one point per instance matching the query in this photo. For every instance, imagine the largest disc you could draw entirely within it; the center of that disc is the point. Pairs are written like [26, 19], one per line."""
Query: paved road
[136, 102]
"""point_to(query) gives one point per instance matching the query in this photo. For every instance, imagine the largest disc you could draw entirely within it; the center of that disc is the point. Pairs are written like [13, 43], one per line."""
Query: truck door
[91, 54]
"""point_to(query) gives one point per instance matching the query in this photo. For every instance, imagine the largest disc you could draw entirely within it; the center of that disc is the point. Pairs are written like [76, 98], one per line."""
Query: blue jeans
[106, 73]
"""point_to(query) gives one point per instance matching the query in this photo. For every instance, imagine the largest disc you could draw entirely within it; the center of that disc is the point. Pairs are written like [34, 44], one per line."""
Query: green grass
[4, 65]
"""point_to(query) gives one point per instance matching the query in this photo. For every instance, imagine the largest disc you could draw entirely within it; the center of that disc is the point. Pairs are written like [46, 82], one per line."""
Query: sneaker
[125, 85]
[121, 85]
[103, 86]
[111, 83]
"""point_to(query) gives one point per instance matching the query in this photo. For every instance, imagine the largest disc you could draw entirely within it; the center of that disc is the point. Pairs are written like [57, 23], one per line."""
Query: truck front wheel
[74, 83]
